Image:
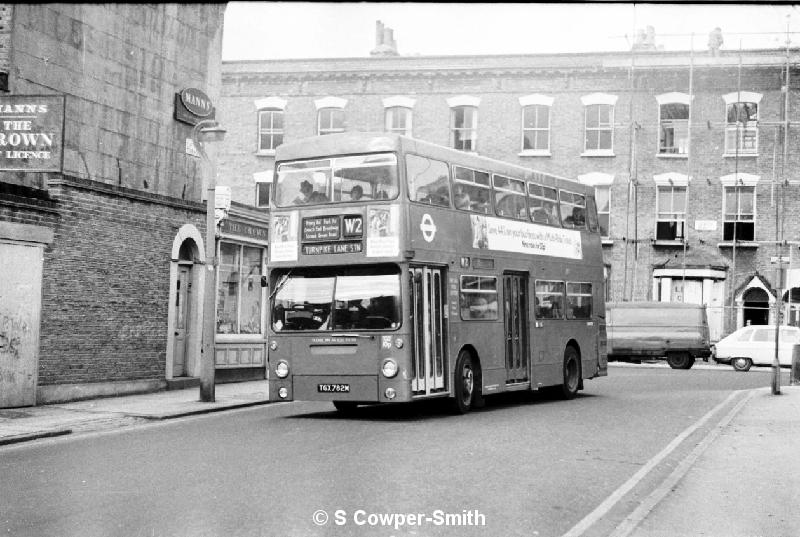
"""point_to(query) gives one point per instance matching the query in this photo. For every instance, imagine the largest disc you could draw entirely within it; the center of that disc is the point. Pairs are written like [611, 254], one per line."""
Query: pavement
[741, 479]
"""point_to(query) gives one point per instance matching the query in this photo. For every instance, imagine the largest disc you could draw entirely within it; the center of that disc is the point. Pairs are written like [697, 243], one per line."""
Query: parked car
[751, 345]
[672, 330]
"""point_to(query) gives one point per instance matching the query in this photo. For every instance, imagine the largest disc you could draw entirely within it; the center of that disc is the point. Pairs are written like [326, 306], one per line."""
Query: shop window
[478, 297]
[239, 291]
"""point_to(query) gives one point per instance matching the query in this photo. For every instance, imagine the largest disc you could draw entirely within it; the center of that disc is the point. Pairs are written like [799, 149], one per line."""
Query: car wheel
[464, 383]
[741, 363]
[572, 374]
[680, 360]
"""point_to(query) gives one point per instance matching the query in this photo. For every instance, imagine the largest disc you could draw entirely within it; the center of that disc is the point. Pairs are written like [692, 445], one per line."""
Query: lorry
[675, 331]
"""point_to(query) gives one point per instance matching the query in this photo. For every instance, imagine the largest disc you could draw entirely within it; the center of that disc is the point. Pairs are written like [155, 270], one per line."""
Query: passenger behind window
[356, 193]
[461, 199]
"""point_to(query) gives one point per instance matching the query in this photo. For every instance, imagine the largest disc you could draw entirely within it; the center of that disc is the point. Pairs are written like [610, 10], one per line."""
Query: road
[532, 466]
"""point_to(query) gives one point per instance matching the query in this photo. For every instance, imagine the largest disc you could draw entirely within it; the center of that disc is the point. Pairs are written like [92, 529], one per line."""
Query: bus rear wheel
[464, 383]
[572, 374]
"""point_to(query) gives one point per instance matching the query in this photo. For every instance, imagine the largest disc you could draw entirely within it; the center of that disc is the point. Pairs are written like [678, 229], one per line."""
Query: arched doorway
[184, 326]
[756, 306]
[184, 305]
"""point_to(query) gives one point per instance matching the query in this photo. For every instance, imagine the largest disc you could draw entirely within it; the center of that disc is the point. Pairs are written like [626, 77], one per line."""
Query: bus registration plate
[333, 388]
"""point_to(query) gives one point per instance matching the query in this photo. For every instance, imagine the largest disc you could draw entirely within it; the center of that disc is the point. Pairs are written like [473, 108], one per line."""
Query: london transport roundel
[427, 227]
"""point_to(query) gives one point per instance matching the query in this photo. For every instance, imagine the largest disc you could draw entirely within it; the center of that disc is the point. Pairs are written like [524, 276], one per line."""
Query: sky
[292, 30]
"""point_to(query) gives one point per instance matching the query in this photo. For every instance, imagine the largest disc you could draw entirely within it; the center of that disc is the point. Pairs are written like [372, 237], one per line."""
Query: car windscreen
[329, 299]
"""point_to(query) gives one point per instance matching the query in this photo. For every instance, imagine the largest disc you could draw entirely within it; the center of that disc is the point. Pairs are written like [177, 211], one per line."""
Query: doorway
[756, 307]
[515, 305]
[429, 303]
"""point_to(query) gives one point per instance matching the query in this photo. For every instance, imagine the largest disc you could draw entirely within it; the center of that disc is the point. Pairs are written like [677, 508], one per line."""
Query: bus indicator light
[283, 393]
[399, 343]
[390, 393]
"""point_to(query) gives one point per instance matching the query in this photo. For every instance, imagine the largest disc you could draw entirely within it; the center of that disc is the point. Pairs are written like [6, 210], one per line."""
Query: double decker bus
[402, 270]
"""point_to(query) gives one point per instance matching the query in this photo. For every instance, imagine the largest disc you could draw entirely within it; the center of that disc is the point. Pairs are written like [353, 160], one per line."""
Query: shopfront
[241, 345]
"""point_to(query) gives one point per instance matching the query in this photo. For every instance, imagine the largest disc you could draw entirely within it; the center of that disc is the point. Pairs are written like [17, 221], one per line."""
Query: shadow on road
[431, 409]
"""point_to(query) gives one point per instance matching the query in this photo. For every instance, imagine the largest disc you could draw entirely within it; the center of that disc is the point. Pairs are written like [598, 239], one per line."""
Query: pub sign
[193, 105]
[32, 133]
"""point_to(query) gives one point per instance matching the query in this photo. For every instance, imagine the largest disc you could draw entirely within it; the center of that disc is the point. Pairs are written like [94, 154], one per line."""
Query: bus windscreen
[355, 178]
[337, 299]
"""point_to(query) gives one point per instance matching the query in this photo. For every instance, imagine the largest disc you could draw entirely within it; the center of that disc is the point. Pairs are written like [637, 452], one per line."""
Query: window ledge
[739, 244]
[599, 153]
[672, 155]
[740, 155]
[535, 153]
[265, 153]
[664, 242]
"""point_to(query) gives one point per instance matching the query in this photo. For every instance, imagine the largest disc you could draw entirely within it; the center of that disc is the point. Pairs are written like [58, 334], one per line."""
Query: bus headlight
[389, 368]
[282, 369]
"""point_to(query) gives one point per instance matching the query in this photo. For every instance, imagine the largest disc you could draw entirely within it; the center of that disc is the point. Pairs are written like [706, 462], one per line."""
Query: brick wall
[106, 278]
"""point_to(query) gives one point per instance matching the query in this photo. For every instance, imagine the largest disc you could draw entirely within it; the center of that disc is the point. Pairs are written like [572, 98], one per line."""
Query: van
[646, 330]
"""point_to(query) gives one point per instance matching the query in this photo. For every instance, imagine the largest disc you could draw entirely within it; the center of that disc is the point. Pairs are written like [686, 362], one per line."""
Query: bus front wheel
[572, 373]
[464, 383]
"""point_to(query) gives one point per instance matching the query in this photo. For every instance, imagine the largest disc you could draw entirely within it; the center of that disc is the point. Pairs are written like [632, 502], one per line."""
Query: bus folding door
[428, 300]
[515, 302]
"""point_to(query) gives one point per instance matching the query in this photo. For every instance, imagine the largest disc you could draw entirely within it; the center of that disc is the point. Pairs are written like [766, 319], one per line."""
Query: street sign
[782, 260]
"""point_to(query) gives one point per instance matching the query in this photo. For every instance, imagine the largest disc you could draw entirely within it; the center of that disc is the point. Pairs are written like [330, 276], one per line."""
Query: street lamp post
[209, 131]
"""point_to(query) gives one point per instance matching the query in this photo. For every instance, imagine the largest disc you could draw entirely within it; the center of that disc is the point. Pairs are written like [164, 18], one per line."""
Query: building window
[536, 128]
[599, 127]
[671, 215]
[398, 115]
[741, 123]
[263, 182]
[739, 213]
[536, 124]
[398, 120]
[464, 127]
[602, 196]
[270, 129]
[239, 293]
[464, 122]
[330, 121]
[270, 124]
[598, 124]
[673, 121]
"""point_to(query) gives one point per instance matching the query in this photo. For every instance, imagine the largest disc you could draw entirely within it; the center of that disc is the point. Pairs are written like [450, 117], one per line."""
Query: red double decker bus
[401, 270]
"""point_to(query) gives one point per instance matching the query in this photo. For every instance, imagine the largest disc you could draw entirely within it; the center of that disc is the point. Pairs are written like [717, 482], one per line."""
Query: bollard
[794, 377]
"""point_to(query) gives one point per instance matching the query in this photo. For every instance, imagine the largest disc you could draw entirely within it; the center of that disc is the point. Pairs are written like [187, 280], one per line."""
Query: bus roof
[348, 143]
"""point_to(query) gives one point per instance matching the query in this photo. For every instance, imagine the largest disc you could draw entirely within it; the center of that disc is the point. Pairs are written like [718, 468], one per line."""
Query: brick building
[100, 256]
[689, 213]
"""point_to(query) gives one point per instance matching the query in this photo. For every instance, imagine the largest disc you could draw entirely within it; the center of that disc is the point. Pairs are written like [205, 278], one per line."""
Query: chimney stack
[385, 44]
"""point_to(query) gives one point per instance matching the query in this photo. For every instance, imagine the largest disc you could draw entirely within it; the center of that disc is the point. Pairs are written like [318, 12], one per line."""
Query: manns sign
[31, 133]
